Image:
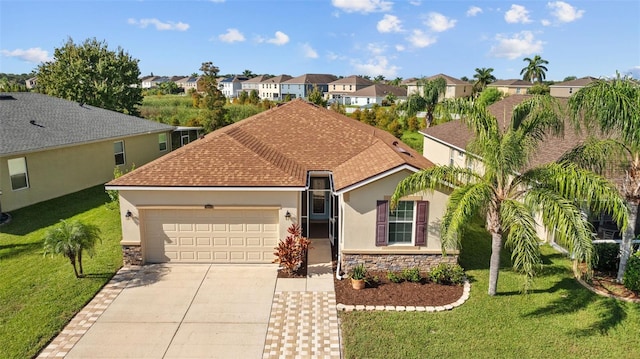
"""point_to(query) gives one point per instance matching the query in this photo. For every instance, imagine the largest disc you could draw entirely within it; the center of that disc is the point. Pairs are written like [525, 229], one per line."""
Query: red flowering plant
[291, 251]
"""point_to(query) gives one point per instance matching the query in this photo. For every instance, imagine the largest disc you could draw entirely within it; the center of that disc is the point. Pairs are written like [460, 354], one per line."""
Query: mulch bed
[386, 293]
[605, 282]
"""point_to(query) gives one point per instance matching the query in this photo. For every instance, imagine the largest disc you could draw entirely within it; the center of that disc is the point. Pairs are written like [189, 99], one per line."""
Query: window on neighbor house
[18, 173]
[404, 225]
[451, 156]
[162, 141]
[118, 152]
[518, 90]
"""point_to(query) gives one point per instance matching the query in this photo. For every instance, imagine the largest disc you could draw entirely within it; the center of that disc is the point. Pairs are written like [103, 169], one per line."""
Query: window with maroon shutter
[422, 218]
[382, 218]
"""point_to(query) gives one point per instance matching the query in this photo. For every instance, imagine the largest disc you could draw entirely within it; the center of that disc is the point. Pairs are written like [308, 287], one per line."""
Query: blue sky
[411, 38]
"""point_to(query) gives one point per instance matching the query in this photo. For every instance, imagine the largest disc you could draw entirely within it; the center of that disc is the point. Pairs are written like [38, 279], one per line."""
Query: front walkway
[304, 319]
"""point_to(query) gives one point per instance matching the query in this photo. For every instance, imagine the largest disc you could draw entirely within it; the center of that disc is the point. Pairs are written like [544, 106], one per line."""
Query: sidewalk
[304, 320]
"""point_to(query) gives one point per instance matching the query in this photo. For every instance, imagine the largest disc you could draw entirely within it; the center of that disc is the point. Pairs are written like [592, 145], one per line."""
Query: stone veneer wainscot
[395, 262]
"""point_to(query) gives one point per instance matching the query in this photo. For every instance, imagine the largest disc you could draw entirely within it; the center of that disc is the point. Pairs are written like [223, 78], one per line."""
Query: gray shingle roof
[33, 122]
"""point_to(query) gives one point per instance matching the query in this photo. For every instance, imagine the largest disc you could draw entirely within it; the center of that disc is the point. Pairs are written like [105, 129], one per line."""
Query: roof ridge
[267, 152]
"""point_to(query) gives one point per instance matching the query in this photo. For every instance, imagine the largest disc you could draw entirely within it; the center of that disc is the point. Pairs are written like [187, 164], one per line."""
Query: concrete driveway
[185, 311]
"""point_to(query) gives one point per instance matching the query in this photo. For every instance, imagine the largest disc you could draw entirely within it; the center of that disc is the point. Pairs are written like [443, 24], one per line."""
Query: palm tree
[483, 77]
[535, 69]
[71, 239]
[248, 74]
[612, 107]
[508, 193]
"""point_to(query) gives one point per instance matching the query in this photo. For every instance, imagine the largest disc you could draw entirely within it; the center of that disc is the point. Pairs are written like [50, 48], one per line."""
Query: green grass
[38, 294]
[413, 139]
[557, 319]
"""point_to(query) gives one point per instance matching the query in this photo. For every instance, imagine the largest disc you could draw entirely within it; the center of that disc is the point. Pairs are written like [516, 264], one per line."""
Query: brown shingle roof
[276, 148]
[581, 82]
[312, 79]
[512, 82]
[457, 134]
[352, 80]
[381, 90]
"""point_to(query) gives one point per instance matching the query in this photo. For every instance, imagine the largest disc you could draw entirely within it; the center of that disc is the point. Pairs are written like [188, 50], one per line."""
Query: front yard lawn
[557, 319]
[38, 294]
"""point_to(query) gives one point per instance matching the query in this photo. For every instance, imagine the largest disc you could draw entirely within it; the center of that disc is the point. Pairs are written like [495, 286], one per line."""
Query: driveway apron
[185, 311]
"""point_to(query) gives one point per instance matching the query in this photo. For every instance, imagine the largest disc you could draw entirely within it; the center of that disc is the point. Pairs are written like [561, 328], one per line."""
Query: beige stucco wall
[562, 91]
[136, 201]
[359, 218]
[57, 172]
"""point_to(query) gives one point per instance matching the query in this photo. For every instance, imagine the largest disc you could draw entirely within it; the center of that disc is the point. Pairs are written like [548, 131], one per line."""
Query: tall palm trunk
[80, 261]
[627, 238]
[494, 263]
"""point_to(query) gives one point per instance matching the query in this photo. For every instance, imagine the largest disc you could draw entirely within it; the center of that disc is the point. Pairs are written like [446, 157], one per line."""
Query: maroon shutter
[422, 217]
[382, 221]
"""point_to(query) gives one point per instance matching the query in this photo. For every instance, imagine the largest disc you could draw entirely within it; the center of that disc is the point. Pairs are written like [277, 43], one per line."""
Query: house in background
[297, 163]
[341, 89]
[50, 147]
[31, 82]
[303, 85]
[455, 87]
[189, 83]
[568, 88]
[152, 81]
[232, 86]
[512, 87]
[253, 84]
[270, 89]
[376, 94]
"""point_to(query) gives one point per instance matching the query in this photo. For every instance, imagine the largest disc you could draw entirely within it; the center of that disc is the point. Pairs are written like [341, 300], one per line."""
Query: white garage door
[210, 236]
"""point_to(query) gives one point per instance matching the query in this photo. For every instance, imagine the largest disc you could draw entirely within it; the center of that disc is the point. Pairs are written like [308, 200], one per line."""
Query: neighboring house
[231, 86]
[446, 144]
[376, 94]
[183, 135]
[253, 84]
[303, 85]
[188, 83]
[153, 81]
[230, 197]
[341, 89]
[270, 89]
[31, 82]
[512, 87]
[455, 87]
[568, 88]
[50, 147]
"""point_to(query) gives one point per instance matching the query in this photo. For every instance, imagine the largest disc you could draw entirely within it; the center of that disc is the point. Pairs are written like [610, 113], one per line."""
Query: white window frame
[412, 222]
[18, 166]
[115, 154]
[162, 142]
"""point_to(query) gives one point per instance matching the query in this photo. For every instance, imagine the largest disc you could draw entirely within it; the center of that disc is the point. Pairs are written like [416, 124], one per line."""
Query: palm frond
[600, 156]
[464, 203]
[520, 227]
[429, 179]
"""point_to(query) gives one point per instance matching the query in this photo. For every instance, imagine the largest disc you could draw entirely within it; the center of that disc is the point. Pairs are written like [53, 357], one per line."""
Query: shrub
[291, 251]
[359, 272]
[412, 275]
[394, 277]
[631, 277]
[606, 257]
[445, 273]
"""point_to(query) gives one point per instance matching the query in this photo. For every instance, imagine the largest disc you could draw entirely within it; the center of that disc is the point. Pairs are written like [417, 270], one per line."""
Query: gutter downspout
[341, 235]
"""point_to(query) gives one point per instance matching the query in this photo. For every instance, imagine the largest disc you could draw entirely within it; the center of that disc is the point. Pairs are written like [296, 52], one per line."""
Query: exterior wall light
[128, 215]
[287, 215]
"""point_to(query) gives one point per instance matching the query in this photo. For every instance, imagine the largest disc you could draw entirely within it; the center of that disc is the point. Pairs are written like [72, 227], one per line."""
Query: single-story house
[512, 87]
[455, 87]
[231, 196]
[377, 94]
[50, 147]
[446, 144]
[568, 88]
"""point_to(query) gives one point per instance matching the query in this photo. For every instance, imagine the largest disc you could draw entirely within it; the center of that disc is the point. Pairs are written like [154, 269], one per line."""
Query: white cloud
[34, 55]
[473, 11]
[516, 46]
[400, 48]
[309, 51]
[634, 72]
[217, 1]
[362, 6]
[545, 22]
[438, 22]
[280, 39]
[389, 23]
[415, 2]
[160, 26]
[564, 12]
[517, 14]
[420, 39]
[376, 49]
[376, 66]
[231, 36]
